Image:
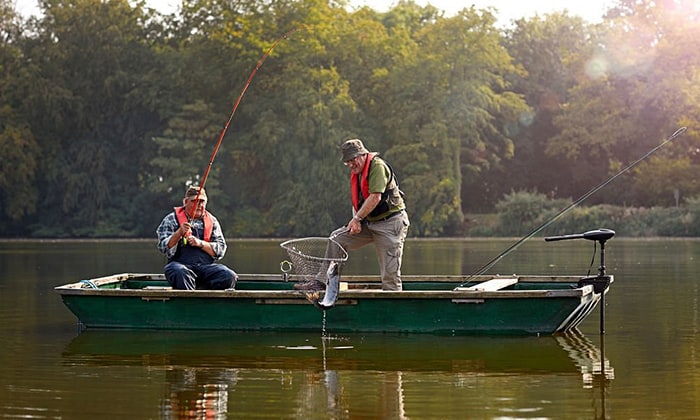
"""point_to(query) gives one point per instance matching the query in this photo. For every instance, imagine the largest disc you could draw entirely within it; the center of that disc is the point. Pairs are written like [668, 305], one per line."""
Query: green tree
[18, 147]
[448, 105]
[637, 98]
[553, 52]
[92, 105]
[183, 153]
[286, 160]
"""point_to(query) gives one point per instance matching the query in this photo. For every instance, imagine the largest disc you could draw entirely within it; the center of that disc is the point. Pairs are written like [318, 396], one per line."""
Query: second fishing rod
[483, 269]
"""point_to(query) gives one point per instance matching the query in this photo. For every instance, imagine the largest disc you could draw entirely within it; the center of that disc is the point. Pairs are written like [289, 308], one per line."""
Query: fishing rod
[235, 107]
[508, 250]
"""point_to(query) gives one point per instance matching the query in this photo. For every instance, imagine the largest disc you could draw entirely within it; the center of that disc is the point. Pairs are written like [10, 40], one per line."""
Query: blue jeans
[200, 276]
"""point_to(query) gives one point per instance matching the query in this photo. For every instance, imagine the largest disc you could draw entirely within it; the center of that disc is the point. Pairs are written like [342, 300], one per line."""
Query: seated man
[192, 239]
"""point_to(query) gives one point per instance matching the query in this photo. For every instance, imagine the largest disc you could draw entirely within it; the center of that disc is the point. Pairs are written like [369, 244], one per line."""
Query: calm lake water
[645, 366]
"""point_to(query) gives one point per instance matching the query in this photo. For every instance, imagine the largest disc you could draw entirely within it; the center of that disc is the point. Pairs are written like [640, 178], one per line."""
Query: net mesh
[311, 256]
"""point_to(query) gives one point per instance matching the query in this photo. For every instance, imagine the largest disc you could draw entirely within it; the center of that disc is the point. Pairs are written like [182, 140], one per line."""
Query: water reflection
[591, 360]
[197, 392]
[207, 375]
[596, 370]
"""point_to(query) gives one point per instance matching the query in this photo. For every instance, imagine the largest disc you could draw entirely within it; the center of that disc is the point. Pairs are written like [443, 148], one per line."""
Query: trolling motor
[601, 281]
[600, 235]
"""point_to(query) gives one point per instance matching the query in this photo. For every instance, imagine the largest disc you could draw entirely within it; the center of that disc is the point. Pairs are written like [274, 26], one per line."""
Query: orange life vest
[206, 218]
[357, 200]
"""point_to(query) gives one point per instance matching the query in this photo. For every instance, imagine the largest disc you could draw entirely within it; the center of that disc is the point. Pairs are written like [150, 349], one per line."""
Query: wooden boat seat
[361, 286]
[491, 285]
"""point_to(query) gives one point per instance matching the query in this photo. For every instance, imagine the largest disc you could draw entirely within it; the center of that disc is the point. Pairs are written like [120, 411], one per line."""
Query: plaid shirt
[169, 225]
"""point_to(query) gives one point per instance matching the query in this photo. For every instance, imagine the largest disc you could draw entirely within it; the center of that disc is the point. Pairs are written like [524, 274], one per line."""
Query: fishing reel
[601, 281]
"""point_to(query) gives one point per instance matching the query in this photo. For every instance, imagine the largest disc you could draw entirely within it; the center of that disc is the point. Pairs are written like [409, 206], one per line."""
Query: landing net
[310, 257]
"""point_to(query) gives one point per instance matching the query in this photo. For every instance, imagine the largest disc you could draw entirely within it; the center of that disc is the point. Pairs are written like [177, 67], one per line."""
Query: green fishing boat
[492, 305]
[484, 304]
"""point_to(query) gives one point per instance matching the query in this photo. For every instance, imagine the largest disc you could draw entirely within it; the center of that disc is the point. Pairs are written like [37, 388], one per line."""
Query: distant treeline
[523, 213]
[109, 109]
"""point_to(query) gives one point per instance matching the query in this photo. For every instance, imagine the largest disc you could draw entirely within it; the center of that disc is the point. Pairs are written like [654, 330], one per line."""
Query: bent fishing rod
[594, 190]
[235, 107]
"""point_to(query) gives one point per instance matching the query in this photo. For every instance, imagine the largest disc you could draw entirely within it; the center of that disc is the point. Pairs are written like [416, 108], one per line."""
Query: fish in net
[318, 259]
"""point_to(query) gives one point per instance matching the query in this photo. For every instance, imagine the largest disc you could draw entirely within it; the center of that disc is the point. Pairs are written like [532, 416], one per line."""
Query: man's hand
[185, 230]
[193, 241]
[354, 226]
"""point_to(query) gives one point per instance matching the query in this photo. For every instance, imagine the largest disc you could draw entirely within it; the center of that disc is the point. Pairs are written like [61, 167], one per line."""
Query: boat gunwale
[414, 278]
[92, 288]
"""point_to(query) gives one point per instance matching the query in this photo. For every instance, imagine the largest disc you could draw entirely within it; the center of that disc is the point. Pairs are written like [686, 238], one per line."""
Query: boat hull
[542, 306]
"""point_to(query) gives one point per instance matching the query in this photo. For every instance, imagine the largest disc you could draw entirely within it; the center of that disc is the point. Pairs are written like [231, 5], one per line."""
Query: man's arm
[168, 235]
[217, 245]
[370, 203]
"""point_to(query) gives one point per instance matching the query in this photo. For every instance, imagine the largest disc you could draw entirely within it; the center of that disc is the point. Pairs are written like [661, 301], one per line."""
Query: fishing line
[508, 250]
[235, 107]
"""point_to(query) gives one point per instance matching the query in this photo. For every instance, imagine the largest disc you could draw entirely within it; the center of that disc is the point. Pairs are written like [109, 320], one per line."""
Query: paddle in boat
[481, 304]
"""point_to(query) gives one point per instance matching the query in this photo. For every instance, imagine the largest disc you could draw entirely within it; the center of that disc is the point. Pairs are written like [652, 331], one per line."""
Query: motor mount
[601, 282]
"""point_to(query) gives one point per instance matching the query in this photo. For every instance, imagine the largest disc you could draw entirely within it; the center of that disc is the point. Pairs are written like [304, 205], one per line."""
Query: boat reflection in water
[214, 374]
[591, 360]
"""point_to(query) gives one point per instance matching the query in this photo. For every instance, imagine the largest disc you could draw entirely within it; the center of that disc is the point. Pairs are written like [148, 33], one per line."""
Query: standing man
[192, 239]
[379, 214]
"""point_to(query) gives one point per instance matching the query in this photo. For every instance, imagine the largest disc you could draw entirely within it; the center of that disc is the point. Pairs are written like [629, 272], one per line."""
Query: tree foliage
[110, 109]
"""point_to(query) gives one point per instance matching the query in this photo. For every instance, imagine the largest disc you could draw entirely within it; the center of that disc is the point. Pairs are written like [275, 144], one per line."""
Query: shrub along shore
[520, 213]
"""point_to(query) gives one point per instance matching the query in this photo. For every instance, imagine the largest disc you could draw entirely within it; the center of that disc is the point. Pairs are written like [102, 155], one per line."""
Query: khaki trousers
[388, 237]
